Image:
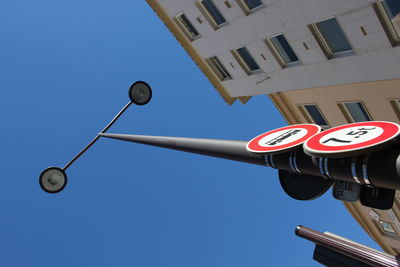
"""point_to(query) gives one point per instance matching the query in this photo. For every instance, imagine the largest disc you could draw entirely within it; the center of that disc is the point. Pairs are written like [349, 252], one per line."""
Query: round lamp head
[53, 180]
[140, 93]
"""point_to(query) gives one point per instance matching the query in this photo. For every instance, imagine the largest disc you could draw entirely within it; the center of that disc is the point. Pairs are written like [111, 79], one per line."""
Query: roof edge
[198, 60]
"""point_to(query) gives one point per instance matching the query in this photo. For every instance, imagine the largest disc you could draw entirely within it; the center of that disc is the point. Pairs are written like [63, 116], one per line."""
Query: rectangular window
[188, 29]
[218, 68]
[312, 114]
[354, 111]
[247, 62]
[395, 103]
[282, 51]
[388, 12]
[387, 229]
[212, 13]
[249, 6]
[396, 251]
[331, 38]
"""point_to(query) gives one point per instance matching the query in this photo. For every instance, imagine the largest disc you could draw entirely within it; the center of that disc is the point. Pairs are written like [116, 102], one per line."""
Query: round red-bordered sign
[282, 139]
[352, 139]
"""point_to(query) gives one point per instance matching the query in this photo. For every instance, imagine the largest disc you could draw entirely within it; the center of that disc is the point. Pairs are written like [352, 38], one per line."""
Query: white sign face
[352, 139]
[351, 136]
[282, 139]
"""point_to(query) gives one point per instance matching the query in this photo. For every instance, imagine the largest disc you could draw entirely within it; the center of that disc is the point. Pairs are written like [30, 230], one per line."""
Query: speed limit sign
[352, 139]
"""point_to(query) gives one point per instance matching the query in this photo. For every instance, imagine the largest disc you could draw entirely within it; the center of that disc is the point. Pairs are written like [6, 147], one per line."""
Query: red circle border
[390, 131]
[253, 146]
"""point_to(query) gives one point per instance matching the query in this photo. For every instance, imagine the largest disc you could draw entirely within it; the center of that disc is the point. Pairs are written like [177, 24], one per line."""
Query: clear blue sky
[65, 67]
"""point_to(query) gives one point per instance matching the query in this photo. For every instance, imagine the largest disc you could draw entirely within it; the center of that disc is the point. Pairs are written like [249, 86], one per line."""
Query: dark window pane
[213, 11]
[316, 115]
[285, 51]
[188, 26]
[357, 111]
[252, 3]
[333, 35]
[219, 69]
[248, 59]
[387, 228]
[392, 7]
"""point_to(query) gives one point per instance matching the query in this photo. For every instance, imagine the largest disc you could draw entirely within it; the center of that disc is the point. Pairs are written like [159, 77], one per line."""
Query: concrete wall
[374, 95]
[374, 58]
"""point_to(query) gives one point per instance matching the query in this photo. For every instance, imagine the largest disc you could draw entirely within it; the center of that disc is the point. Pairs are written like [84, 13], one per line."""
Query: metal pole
[227, 149]
[350, 249]
[97, 136]
[382, 168]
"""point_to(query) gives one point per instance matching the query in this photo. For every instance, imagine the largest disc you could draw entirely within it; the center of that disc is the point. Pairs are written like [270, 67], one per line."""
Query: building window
[354, 111]
[249, 6]
[212, 13]
[396, 251]
[282, 51]
[245, 60]
[387, 229]
[395, 103]
[218, 68]
[396, 202]
[188, 29]
[331, 38]
[312, 114]
[388, 12]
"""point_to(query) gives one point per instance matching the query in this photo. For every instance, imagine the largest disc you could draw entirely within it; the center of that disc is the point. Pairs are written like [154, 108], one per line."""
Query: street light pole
[54, 179]
[97, 136]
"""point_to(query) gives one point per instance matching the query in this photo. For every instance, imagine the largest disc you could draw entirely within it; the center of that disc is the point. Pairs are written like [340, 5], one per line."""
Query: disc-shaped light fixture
[140, 93]
[53, 180]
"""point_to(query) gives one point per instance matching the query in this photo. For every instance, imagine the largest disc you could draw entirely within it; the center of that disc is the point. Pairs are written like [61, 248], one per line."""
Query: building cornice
[283, 108]
[181, 38]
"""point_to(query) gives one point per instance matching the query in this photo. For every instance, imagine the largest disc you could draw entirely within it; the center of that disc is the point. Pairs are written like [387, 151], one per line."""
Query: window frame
[386, 23]
[307, 116]
[242, 4]
[185, 31]
[393, 235]
[323, 44]
[347, 114]
[210, 17]
[395, 103]
[278, 55]
[243, 63]
[395, 250]
[211, 63]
